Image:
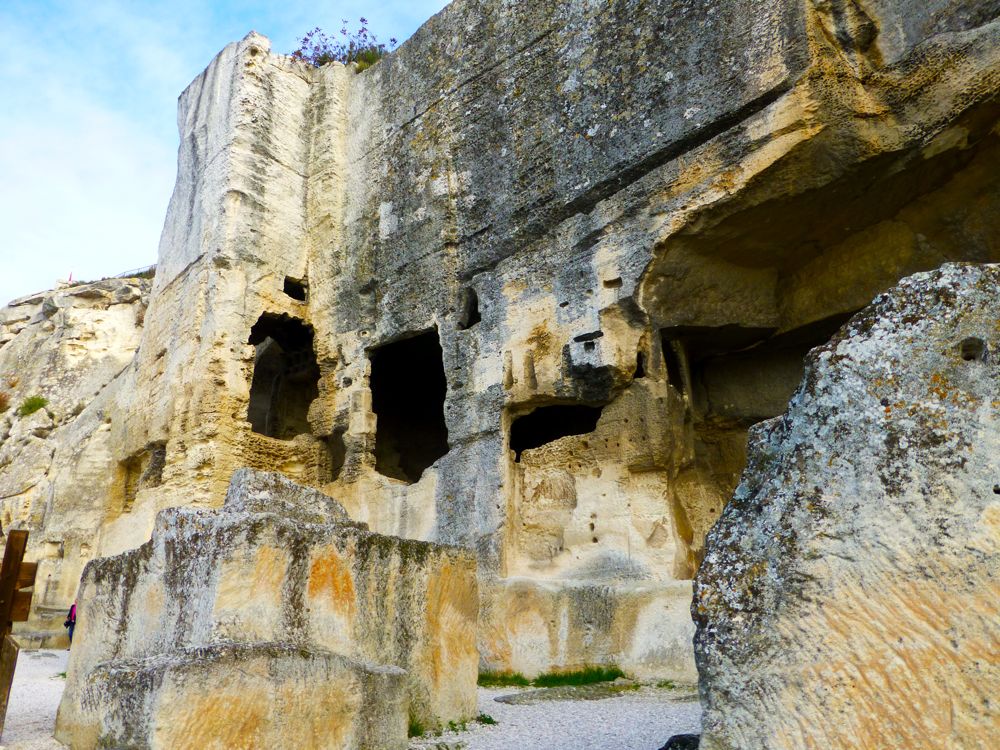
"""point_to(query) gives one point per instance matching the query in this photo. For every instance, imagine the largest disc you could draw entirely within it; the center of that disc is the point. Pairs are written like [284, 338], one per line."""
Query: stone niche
[274, 621]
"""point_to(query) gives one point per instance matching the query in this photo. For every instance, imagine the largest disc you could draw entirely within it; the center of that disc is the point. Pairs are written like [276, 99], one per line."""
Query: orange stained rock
[904, 684]
[213, 720]
[452, 612]
[252, 716]
[331, 581]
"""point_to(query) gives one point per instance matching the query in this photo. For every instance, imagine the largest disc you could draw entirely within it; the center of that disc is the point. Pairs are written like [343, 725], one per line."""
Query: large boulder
[277, 597]
[850, 594]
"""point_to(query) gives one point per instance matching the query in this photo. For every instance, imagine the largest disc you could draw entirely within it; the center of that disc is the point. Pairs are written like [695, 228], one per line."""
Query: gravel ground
[34, 698]
[643, 719]
[558, 719]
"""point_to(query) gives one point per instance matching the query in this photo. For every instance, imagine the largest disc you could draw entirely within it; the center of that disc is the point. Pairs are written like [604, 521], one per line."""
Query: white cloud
[84, 177]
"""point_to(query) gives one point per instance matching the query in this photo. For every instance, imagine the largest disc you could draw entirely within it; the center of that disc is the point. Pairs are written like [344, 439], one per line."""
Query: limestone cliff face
[524, 285]
[850, 596]
[57, 463]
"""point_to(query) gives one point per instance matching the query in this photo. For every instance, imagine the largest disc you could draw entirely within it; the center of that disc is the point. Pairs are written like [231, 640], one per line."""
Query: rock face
[57, 463]
[262, 695]
[523, 285]
[322, 633]
[850, 594]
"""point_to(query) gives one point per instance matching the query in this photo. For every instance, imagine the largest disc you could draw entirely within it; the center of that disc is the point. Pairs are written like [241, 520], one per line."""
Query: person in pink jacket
[70, 623]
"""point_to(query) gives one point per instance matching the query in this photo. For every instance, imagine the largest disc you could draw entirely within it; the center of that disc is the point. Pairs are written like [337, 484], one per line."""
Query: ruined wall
[611, 232]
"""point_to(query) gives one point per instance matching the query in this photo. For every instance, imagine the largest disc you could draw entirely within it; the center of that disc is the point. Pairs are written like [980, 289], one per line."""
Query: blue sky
[88, 135]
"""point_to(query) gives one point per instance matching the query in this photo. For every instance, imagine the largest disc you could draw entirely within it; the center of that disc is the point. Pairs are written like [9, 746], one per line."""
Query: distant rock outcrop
[850, 594]
[64, 349]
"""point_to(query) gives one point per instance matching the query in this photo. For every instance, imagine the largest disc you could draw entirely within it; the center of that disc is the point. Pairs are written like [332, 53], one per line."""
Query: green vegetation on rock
[585, 676]
[415, 729]
[503, 679]
[31, 404]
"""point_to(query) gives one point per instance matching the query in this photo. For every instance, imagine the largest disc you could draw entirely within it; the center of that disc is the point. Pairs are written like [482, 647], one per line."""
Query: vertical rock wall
[66, 349]
[613, 231]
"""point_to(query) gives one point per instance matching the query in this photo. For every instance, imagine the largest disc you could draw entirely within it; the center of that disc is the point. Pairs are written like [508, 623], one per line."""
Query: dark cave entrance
[408, 388]
[549, 423]
[738, 375]
[731, 378]
[469, 309]
[285, 377]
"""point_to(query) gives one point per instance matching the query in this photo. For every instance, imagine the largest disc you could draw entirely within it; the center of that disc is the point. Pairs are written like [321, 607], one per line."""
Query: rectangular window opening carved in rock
[408, 388]
[549, 423]
[285, 377]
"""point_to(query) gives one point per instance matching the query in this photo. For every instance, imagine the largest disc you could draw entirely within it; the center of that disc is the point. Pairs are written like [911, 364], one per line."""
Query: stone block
[278, 564]
[256, 695]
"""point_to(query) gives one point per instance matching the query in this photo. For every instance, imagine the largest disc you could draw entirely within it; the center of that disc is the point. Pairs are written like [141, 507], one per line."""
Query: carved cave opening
[408, 388]
[285, 377]
[297, 289]
[731, 377]
[468, 309]
[751, 283]
[549, 423]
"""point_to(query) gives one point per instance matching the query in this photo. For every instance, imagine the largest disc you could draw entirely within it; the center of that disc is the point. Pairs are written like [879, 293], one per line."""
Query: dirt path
[34, 698]
[574, 718]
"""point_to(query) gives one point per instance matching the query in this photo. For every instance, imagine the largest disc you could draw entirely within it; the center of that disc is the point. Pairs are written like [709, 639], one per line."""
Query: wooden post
[14, 607]
[8, 663]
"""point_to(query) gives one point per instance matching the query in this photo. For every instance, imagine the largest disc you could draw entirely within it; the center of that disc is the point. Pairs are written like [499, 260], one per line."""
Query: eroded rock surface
[523, 285]
[850, 594]
[67, 347]
[272, 621]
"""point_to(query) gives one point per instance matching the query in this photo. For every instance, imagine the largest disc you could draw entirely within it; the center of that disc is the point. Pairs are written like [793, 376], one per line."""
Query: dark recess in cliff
[469, 305]
[408, 390]
[285, 377]
[548, 423]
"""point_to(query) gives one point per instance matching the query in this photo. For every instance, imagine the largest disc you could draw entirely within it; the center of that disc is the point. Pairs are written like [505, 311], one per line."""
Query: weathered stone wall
[850, 596]
[644, 211]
